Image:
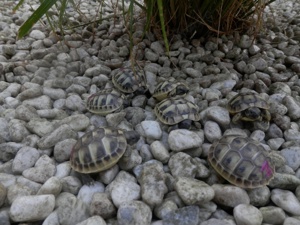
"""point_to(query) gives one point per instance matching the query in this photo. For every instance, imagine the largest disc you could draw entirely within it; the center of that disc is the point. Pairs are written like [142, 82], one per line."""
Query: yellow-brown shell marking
[129, 81]
[105, 102]
[174, 110]
[241, 161]
[98, 150]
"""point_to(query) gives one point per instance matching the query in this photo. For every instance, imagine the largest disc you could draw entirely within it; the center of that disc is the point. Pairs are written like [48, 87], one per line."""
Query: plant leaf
[35, 16]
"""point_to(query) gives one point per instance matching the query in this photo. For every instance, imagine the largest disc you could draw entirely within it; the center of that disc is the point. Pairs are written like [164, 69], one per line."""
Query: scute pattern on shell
[129, 81]
[174, 110]
[105, 101]
[98, 150]
[167, 89]
[242, 161]
[243, 101]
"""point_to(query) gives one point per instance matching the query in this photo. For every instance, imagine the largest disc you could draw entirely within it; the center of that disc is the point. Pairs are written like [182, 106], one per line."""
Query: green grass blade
[18, 5]
[162, 24]
[35, 16]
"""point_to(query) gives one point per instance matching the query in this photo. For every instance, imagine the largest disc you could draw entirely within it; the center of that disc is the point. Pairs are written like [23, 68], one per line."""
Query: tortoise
[242, 161]
[100, 149]
[167, 89]
[106, 101]
[129, 81]
[177, 110]
[249, 107]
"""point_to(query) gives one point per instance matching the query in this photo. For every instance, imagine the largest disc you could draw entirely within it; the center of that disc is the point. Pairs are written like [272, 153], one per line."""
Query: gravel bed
[45, 82]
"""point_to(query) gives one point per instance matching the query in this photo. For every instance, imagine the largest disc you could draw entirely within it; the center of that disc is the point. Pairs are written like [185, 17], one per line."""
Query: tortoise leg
[185, 124]
[236, 117]
[266, 115]
[85, 178]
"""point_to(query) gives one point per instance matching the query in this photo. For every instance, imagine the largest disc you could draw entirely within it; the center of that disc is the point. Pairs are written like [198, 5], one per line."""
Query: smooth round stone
[212, 131]
[71, 210]
[165, 208]
[259, 196]
[61, 133]
[52, 186]
[71, 184]
[102, 206]
[291, 221]
[182, 139]
[152, 181]
[125, 192]
[229, 195]
[108, 175]
[63, 169]
[17, 130]
[284, 181]
[151, 129]
[272, 215]
[188, 215]
[62, 150]
[94, 220]
[76, 122]
[286, 200]
[44, 169]
[217, 114]
[193, 191]
[42, 102]
[293, 107]
[86, 192]
[134, 212]
[25, 158]
[75, 103]
[25, 208]
[214, 221]
[181, 164]
[247, 214]
[159, 151]
[37, 34]
[292, 156]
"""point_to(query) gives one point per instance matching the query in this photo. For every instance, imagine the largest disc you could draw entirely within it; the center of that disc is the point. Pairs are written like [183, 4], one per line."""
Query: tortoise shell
[98, 150]
[242, 161]
[105, 101]
[250, 107]
[169, 89]
[174, 110]
[129, 81]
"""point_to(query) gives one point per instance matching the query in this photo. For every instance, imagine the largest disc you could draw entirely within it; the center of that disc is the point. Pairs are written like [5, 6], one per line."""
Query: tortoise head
[252, 114]
[180, 90]
[132, 137]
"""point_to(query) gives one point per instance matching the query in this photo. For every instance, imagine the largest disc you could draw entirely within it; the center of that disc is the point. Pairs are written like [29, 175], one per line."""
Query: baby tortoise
[242, 161]
[106, 101]
[250, 107]
[177, 110]
[128, 81]
[167, 89]
[100, 149]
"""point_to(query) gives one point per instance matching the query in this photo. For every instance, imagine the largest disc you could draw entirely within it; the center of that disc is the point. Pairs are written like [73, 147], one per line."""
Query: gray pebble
[86, 192]
[24, 208]
[17, 190]
[181, 164]
[102, 205]
[37, 34]
[229, 195]
[188, 215]
[44, 169]
[182, 139]
[26, 113]
[159, 151]
[62, 150]
[212, 131]
[52, 186]
[134, 213]
[247, 214]
[286, 200]
[193, 191]
[259, 196]
[292, 156]
[151, 129]
[24, 159]
[272, 215]
[61, 133]
[293, 107]
[71, 184]
[152, 181]
[17, 130]
[42, 102]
